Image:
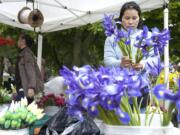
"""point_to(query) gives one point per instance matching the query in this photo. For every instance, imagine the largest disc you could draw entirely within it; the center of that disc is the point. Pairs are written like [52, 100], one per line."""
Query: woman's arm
[111, 58]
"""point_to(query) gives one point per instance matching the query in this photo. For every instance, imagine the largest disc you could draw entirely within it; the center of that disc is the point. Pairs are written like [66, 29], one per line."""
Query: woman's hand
[137, 66]
[126, 62]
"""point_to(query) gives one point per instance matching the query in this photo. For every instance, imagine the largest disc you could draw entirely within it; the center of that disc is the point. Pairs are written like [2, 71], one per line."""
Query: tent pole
[166, 54]
[39, 53]
[166, 50]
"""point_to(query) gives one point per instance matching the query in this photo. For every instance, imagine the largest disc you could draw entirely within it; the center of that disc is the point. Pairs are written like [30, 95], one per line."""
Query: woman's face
[130, 19]
[20, 42]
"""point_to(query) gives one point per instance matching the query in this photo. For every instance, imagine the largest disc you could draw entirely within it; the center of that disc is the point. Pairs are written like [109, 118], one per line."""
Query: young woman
[130, 18]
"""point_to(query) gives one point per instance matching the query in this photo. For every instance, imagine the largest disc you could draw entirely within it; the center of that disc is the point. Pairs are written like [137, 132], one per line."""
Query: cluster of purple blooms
[89, 88]
[158, 39]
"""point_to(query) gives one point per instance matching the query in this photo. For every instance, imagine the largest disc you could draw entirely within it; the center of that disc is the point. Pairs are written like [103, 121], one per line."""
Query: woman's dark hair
[131, 5]
[28, 39]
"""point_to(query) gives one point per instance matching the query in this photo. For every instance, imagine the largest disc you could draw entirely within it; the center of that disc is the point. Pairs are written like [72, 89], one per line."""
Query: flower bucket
[137, 130]
[51, 110]
[155, 128]
[24, 131]
[100, 125]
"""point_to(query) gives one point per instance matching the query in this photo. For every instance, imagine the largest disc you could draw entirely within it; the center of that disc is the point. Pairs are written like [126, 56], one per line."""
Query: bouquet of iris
[145, 42]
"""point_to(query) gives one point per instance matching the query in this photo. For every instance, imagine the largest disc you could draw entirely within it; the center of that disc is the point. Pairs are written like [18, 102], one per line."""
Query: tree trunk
[77, 49]
[85, 49]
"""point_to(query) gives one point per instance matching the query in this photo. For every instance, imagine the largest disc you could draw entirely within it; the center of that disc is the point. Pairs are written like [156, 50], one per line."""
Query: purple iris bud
[108, 25]
[145, 32]
[128, 41]
[154, 67]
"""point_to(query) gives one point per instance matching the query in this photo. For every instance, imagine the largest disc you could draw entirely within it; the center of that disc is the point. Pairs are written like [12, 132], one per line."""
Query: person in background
[28, 78]
[130, 18]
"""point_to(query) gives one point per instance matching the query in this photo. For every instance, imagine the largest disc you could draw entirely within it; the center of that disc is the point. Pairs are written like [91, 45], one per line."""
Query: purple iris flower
[154, 67]
[160, 91]
[108, 25]
[159, 40]
[123, 116]
[109, 103]
[142, 41]
[92, 110]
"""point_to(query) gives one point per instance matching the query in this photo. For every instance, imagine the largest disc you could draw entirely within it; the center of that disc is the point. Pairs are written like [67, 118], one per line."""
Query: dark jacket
[29, 71]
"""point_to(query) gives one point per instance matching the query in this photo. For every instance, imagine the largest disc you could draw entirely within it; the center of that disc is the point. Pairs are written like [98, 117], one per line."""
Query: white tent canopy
[64, 14]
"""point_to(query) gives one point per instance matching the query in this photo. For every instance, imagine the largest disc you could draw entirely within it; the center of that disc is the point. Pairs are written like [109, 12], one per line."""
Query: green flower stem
[138, 56]
[151, 118]
[168, 115]
[115, 118]
[111, 117]
[123, 47]
[127, 108]
[103, 116]
[136, 110]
